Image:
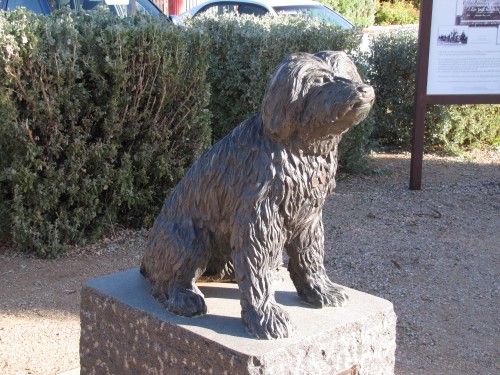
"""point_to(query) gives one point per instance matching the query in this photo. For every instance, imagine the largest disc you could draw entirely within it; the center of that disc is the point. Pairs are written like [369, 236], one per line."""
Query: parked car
[119, 7]
[259, 8]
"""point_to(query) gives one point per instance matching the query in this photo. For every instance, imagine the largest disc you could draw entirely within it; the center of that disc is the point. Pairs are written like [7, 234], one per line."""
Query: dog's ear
[276, 102]
[280, 106]
[341, 65]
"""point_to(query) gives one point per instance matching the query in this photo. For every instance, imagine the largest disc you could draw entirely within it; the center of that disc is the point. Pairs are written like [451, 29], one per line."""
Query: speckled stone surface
[126, 331]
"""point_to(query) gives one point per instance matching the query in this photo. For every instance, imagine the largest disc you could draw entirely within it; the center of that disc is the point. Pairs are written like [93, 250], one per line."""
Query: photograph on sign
[478, 13]
[464, 50]
[453, 35]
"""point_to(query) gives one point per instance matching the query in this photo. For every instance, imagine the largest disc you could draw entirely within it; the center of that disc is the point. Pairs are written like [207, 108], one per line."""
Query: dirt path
[434, 253]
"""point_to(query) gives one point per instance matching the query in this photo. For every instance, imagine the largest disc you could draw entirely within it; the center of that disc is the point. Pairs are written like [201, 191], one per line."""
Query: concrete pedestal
[126, 331]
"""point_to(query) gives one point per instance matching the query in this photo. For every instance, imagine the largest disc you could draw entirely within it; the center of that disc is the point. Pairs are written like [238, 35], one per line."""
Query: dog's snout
[367, 93]
[365, 89]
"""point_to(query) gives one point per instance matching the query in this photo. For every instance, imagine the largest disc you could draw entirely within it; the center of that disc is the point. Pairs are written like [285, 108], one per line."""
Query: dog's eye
[323, 79]
[342, 79]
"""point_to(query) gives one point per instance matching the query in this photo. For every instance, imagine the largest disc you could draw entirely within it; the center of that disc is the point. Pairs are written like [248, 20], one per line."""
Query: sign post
[458, 62]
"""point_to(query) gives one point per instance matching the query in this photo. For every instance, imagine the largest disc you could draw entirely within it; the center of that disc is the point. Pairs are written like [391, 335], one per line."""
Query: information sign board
[464, 50]
[458, 62]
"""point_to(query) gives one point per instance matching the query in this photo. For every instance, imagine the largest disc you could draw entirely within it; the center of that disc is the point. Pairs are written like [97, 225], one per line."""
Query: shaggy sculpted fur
[258, 191]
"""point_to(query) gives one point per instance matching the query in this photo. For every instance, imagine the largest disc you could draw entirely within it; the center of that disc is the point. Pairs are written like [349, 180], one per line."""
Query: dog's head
[314, 98]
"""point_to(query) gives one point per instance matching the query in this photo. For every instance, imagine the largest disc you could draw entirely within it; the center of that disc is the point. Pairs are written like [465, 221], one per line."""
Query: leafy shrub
[415, 3]
[359, 12]
[244, 53]
[397, 13]
[393, 62]
[467, 127]
[99, 119]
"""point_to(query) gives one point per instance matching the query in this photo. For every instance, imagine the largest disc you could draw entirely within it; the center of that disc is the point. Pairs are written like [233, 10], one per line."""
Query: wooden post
[417, 150]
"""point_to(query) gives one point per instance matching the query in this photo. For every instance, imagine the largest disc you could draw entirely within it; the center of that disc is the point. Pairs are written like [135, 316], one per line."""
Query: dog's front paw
[323, 293]
[269, 322]
[185, 302]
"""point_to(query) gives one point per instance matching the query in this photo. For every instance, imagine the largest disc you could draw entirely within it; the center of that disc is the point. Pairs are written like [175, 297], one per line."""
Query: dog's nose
[365, 89]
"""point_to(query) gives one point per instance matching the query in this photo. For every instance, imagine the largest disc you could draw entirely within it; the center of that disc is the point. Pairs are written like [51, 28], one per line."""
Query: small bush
[359, 12]
[100, 118]
[244, 54]
[397, 13]
[392, 62]
[468, 127]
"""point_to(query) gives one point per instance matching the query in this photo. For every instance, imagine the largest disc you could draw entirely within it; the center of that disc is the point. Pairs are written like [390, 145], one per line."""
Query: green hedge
[244, 54]
[99, 117]
[359, 12]
[448, 128]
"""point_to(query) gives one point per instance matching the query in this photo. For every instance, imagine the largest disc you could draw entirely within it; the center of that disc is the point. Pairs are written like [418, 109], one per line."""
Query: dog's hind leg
[307, 271]
[220, 266]
[176, 256]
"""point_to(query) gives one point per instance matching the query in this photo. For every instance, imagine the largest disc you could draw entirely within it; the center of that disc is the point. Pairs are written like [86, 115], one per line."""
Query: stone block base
[126, 331]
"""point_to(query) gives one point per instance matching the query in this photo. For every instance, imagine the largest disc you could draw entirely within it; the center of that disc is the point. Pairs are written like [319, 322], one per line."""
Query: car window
[90, 4]
[218, 9]
[122, 8]
[251, 9]
[320, 12]
[33, 5]
[119, 7]
[227, 7]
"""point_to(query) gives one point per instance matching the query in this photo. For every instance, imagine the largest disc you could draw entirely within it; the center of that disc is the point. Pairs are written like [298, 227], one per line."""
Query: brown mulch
[434, 253]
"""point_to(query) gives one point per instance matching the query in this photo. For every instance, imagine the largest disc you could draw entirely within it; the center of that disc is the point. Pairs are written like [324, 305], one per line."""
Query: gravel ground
[434, 253]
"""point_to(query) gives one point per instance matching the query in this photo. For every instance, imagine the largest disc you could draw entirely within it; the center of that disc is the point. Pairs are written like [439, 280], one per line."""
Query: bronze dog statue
[258, 191]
